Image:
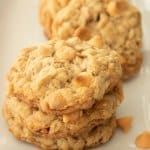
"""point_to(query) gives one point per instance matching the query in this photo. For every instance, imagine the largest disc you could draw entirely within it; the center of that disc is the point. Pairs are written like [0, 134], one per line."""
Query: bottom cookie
[98, 135]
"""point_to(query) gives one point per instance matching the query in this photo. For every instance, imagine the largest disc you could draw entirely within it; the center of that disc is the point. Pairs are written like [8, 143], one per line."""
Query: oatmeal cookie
[98, 135]
[116, 22]
[72, 124]
[64, 76]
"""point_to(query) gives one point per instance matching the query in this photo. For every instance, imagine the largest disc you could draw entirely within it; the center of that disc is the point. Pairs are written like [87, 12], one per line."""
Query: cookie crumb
[124, 123]
[143, 140]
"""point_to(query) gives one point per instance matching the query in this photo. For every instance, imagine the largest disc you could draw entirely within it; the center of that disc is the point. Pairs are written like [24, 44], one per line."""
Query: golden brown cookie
[64, 76]
[116, 22]
[76, 123]
[98, 135]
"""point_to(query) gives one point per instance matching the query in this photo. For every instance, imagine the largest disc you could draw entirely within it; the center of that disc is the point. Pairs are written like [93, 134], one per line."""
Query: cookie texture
[72, 124]
[116, 22]
[98, 135]
[47, 12]
[64, 76]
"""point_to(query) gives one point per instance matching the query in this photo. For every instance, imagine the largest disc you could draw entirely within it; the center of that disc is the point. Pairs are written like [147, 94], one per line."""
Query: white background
[19, 27]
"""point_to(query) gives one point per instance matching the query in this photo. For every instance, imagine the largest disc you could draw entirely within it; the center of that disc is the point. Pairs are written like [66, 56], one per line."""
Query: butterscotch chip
[64, 76]
[82, 32]
[117, 22]
[76, 123]
[98, 135]
[97, 41]
[82, 80]
[116, 7]
[143, 140]
[124, 123]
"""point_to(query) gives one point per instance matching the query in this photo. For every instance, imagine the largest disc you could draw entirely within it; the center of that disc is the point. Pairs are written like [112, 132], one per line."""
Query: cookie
[63, 76]
[71, 124]
[116, 22]
[98, 135]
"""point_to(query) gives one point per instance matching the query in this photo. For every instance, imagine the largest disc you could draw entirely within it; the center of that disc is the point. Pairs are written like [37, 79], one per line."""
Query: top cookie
[115, 22]
[64, 76]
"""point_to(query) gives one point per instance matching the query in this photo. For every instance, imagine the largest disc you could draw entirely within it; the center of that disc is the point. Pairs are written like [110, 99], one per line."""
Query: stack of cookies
[63, 94]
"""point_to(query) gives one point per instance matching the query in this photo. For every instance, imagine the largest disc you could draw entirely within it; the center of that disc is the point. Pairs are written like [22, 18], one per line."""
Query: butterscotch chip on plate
[98, 135]
[117, 22]
[143, 140]
[76, 123]
[125, 123]
[64, 76]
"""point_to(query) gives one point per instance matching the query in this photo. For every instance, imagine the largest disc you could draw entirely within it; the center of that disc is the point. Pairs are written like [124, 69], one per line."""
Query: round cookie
[67, 125]
[116, 22]
[64, 76]
[98, 135]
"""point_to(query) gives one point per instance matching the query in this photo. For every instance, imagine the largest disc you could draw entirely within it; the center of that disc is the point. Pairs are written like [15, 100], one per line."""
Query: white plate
[19, 27]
